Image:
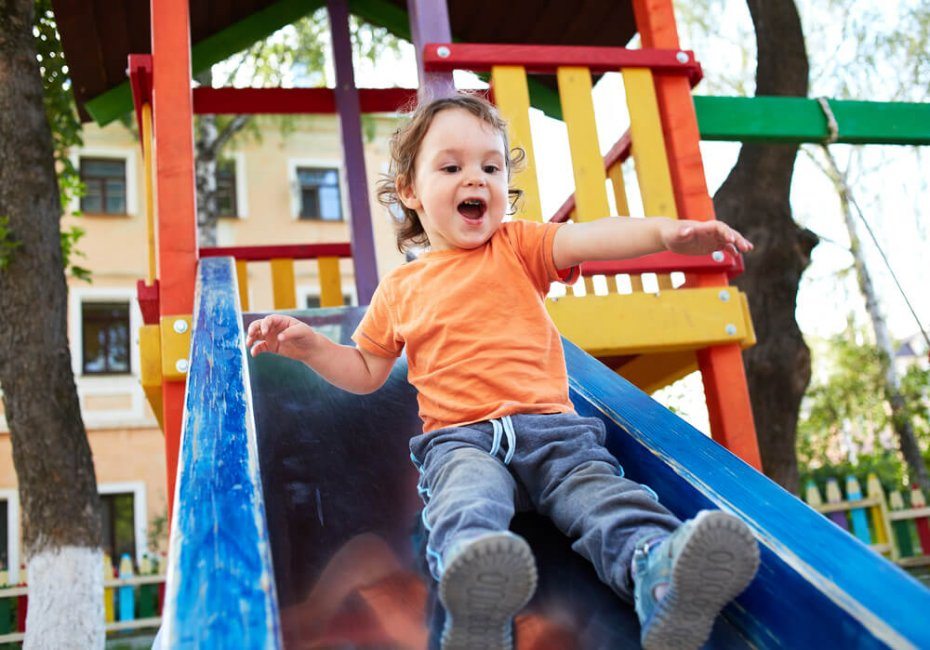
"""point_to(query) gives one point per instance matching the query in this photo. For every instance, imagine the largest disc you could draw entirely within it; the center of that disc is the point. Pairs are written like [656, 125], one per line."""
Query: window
[105, 182]
[313, 302]
[226, 203]
[105, 335]
[319, 194]
[119, 533]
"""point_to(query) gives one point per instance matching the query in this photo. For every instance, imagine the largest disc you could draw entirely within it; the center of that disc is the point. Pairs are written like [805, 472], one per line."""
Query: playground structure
[885, 524]
[242, 498]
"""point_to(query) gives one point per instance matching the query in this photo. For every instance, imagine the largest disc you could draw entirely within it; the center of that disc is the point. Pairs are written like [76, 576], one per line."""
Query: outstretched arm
[615, 238]
[344, 366]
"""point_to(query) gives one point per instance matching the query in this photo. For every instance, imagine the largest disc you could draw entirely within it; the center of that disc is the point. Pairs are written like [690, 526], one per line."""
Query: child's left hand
[703, 238]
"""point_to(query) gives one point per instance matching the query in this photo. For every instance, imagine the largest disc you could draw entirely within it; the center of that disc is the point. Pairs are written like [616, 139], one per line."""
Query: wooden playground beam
[799, 120]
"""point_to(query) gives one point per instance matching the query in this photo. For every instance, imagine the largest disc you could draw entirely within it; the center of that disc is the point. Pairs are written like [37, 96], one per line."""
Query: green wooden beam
[117, 101]
[799, 119]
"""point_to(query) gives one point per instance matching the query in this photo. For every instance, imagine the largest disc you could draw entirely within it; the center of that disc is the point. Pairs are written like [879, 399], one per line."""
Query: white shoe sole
[717, 562]
[483, 588]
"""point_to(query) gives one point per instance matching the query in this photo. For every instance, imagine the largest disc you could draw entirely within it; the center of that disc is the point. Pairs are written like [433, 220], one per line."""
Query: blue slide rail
[817, 585]
[220, 590]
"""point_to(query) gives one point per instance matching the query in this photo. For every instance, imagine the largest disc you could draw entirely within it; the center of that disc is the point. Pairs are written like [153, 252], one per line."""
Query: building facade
[282, 181]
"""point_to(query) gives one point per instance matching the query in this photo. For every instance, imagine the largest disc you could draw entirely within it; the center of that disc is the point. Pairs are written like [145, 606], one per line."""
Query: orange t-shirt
[479, 341]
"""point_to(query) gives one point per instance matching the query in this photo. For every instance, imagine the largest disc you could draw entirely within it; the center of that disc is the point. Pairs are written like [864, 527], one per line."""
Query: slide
[296, 520]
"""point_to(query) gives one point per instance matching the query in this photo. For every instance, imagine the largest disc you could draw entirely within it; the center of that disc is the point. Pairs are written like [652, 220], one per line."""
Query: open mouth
[472, 209]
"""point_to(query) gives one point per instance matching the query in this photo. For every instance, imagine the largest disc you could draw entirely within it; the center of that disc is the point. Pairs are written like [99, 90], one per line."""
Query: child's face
[460, 184]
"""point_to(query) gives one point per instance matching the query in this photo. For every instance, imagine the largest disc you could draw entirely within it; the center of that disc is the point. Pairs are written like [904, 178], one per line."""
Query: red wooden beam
[292, 251]
[294, 101]
[665, 262]
[545, 59]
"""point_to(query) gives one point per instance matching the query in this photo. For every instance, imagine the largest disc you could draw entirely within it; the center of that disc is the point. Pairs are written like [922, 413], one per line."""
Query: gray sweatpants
[474, 477]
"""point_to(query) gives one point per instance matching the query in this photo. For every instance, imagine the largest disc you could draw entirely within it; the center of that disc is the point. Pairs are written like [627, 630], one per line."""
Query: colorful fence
[131, 602]
[896, 527]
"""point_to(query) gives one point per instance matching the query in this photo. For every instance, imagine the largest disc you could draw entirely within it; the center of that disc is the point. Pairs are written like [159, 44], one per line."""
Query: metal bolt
[724, 295]
[181, 365]
[731, 330]
[717, 256]
[443, 52]
[682, 57]
[180, 326]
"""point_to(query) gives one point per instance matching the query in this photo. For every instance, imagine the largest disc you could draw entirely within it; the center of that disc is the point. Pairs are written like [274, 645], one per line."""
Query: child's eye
[450, 169]
[491, 169]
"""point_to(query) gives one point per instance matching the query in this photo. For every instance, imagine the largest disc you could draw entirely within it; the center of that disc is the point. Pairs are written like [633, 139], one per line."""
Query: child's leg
[486, 574]
[467, 493]
[575, 481]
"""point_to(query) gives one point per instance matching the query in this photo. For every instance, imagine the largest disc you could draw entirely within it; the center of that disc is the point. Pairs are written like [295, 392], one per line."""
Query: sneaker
[485, 583]
[702, 566]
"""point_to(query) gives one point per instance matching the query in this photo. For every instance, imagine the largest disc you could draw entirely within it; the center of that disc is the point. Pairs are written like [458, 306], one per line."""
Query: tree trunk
[207, 148]
[901, 422]
[58, 491]
[755, 200]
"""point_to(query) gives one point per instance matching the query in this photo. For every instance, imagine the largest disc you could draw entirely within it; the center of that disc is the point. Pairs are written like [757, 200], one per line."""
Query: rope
[833, 127]
[894, 277]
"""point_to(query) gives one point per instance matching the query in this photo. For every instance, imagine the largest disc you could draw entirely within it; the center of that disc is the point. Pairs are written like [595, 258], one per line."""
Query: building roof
[98, 35]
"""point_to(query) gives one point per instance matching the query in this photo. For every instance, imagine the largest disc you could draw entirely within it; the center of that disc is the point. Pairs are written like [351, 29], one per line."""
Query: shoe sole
[717, 562]
[482, 589]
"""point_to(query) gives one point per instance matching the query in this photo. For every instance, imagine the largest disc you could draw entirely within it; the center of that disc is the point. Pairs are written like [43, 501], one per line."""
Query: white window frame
[293, 164]
[91, 385]
[12, 533]
[128, 155]
[304, 291]
[242, 195]
[139, 513]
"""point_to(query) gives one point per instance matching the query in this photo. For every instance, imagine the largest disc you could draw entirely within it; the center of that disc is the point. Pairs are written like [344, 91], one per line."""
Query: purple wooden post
[429, 23]
[350, 121]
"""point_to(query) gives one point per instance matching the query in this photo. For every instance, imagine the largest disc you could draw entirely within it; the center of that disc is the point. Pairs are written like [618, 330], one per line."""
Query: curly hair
[405, 144]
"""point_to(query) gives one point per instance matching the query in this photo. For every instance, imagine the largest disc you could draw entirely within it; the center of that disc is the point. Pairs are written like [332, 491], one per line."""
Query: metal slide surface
[339, 502]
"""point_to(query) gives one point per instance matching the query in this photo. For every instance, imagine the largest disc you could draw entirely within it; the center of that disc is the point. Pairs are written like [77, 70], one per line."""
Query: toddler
[499, 431]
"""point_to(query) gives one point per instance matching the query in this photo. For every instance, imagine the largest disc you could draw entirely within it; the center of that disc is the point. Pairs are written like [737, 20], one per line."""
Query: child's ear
[407, 194]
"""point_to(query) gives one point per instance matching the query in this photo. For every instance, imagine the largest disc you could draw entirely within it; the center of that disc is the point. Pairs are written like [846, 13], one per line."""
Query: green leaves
[65, 126]
[846, 425]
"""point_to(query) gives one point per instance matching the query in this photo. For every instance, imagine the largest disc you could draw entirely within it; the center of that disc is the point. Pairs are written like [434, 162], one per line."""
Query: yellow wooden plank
[242, 278]
[651, 162]
[639, 323]
[147, 149]
[651, 372]
[750, 339]
[513, 100]
[283, 287]
[175, 341]
[330, 282]
[652, 171]
[150, 367]
[615, 174]
[587, 162]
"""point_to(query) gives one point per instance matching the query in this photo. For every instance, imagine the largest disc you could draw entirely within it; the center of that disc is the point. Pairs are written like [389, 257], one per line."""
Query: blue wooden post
[350, 121]
[127, 595]
[429, 23]
[860, 520]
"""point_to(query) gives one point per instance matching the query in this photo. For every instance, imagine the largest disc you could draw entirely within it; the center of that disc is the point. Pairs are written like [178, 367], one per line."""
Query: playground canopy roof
[98, 35]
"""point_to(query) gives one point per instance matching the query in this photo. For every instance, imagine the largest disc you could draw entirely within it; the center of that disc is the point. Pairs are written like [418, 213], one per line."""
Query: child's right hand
[282, 335]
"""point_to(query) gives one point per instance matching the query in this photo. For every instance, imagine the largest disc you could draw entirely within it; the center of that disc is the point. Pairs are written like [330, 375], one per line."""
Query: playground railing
[130, 604]
[282, 260]
[887, 525]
